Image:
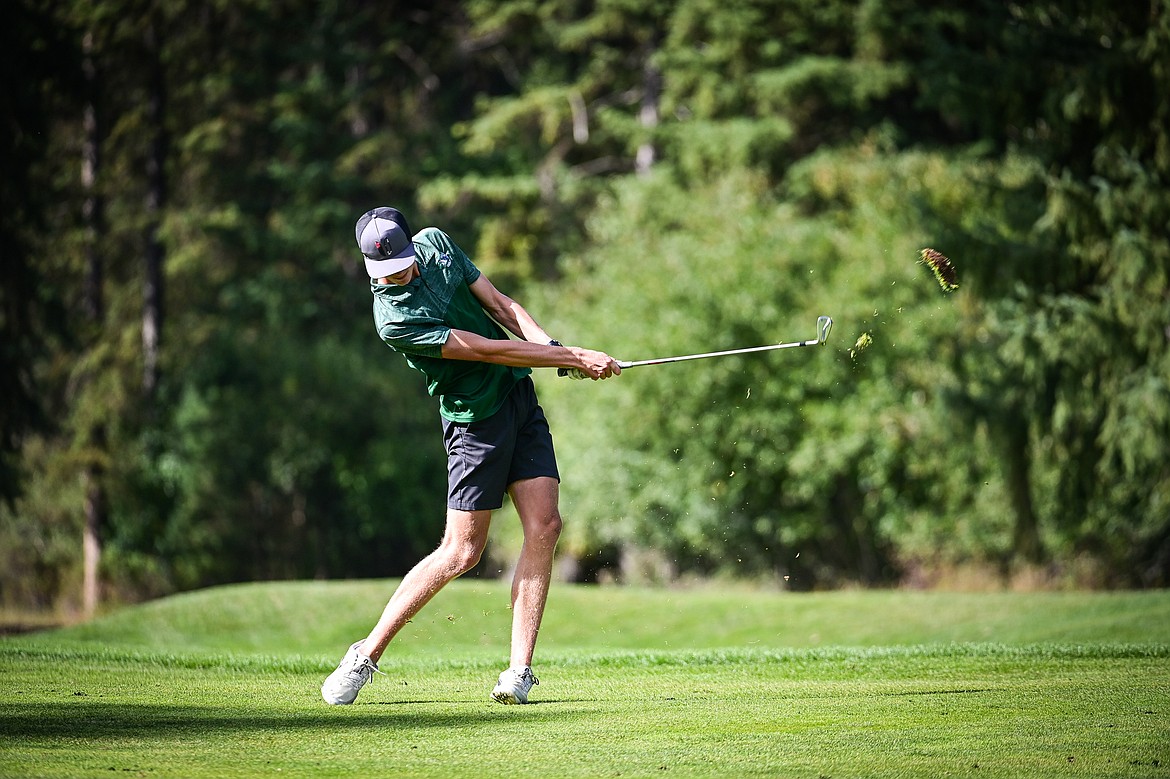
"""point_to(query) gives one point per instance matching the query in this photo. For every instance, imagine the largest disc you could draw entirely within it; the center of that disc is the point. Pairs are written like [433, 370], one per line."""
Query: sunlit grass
[731, 682]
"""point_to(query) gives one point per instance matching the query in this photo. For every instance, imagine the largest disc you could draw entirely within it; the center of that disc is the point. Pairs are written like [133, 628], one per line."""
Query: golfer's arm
[464, 345]
[510, 314]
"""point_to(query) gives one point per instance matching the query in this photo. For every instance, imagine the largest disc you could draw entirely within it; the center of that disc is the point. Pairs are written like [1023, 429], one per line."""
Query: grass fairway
[634, 683]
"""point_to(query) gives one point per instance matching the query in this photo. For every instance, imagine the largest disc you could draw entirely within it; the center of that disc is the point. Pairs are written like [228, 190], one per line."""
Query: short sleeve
[415, 339]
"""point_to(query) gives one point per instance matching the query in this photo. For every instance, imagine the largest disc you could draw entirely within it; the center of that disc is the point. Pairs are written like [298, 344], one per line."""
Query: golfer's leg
[463, 542]
[536, 502]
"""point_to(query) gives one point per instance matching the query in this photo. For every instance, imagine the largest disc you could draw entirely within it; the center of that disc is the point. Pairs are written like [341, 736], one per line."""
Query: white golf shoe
[514, 685]
[353, 673]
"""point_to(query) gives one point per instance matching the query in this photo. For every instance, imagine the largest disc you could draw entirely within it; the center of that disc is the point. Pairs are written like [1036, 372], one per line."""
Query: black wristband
[554, 342]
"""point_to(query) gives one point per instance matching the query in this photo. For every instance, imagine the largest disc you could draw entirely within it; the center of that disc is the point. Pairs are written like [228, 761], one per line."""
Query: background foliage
[649, 178]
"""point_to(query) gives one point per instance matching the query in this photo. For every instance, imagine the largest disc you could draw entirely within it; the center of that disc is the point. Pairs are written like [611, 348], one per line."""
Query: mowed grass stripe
[797, 659]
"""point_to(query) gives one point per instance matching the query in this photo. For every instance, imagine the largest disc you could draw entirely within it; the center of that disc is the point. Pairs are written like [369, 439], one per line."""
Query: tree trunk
[92, 211]
[152, 310]
[648, 115]
[91, 542]
[92, 208]
[1026, 534]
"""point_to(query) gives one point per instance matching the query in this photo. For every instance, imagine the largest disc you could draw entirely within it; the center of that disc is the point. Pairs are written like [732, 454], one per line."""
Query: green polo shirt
[417, 318]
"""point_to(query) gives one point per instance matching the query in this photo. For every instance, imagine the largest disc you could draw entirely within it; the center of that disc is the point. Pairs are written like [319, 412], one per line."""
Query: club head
[824, 325]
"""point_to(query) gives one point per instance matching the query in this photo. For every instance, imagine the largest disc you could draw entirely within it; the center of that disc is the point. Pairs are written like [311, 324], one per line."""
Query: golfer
[436, 308]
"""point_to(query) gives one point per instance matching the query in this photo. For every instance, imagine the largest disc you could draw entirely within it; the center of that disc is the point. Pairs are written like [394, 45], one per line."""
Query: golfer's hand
[593, 364]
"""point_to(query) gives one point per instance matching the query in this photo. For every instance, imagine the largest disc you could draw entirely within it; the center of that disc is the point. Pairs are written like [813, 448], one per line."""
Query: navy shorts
[485, 456]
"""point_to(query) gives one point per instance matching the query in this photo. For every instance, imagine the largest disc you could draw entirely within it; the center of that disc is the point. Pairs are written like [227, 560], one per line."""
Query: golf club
[824, 325]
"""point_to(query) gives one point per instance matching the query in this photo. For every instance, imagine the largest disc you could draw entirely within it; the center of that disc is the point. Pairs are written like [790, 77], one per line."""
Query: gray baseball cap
[384, 239]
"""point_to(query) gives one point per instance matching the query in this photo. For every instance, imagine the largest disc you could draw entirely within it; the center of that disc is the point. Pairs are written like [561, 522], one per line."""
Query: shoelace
[529, 675]
[362, 670]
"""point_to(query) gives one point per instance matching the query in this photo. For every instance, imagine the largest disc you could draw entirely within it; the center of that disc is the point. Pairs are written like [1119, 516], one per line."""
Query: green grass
[634, 683]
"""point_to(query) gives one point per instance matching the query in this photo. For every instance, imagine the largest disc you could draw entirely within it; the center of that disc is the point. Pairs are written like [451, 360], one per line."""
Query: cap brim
[389, 267]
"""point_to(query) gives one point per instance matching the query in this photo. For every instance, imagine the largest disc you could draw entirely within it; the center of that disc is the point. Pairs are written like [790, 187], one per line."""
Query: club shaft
[704, 355]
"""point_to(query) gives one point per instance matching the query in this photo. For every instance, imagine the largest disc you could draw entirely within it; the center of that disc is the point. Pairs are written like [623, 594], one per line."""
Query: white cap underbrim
[380, 268]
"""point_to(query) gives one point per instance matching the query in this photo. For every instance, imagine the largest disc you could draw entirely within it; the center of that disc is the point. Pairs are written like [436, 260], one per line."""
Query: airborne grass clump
[862, 343]
[944, 271]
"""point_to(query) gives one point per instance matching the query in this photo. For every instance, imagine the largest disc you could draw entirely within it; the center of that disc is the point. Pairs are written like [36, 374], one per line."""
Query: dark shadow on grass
[94, 720]
[938, 692]
[491, 704]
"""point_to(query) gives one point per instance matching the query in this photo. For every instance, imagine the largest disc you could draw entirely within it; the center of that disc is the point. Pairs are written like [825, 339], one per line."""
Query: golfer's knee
[464, 540]
[547, 528]
[461, 555]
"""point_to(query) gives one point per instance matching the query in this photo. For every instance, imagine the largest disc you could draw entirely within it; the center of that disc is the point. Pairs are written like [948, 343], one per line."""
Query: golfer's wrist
[557, 344]
[576, 364]
[559, 362]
